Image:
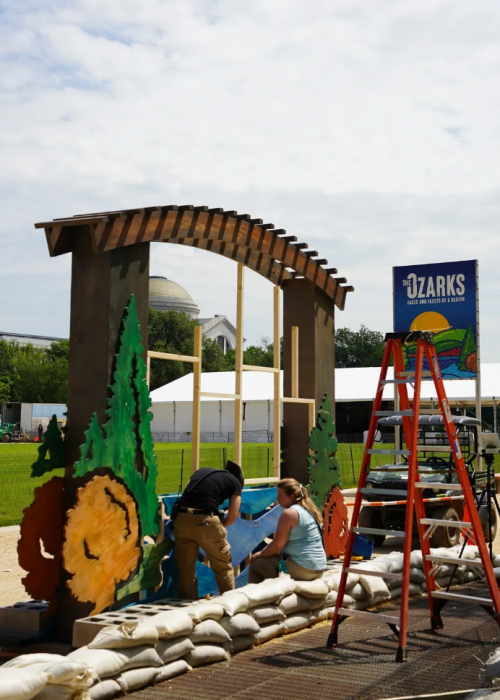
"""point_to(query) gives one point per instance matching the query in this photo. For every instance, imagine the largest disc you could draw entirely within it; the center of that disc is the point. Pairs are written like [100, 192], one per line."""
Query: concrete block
[23, 620]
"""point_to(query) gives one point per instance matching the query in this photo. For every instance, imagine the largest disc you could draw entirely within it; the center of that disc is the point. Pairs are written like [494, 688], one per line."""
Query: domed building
[166, 295]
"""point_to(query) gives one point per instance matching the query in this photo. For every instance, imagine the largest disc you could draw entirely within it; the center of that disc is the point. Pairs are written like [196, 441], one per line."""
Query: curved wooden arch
[238, 237]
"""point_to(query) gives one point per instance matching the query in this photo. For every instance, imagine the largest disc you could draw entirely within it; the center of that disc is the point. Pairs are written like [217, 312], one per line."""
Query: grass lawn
[174, 461]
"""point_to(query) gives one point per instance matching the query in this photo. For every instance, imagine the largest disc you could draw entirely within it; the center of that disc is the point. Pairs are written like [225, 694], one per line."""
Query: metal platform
[299, 667]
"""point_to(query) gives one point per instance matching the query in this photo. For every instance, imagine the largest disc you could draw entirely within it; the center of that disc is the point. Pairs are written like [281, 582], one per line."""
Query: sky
[369, 130]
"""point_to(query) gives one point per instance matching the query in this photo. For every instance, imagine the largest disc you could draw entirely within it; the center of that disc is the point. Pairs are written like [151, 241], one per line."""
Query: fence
[174, 469]
[265, 436]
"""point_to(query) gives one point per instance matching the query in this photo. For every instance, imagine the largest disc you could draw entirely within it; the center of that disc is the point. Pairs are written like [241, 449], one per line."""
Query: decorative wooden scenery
[324, 480]
[101, 541]
[53, 446]
[113, 513]
[39, 547]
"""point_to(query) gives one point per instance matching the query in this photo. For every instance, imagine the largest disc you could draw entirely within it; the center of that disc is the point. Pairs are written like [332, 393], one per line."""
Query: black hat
[236, 471]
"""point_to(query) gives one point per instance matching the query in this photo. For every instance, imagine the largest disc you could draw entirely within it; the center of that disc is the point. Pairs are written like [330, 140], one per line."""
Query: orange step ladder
[471, 529]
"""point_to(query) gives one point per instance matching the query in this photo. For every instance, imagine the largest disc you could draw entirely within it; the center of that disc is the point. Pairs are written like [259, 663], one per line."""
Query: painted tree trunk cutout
[101, 541]
[335, 524]
[324, 467]
[128, 428]
[53, 445]
[39, 547]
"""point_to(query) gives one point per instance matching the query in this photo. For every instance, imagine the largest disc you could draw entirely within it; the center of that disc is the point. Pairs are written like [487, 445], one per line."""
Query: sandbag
[105, 662]
[331, 599]
[137, 678]
[172, 624]
[413, 588]
[105, 690]
[269, 631]
[294, 603]
[298, 621]
[172, 670]
[416, 559]
[268, 591]
[76, 673]
[312, 589]
[332, 580]
[240, 624]
[316, 603]
[206, 654]
[263, 614]
[61, 692]
[492, 665]
[375, 587]
[142, 657]
[30, 659]
[233, 602]
[21, 683]
[286, 584]
[240, 643]
[128, 634]
[209, 631]
[172, 649]
[416, 576]
[358, 592]
[207, 610]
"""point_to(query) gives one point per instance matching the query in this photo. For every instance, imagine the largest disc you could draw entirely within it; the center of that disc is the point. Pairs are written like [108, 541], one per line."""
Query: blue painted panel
[252, 500]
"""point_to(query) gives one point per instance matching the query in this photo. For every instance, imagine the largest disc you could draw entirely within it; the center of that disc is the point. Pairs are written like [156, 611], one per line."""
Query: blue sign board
[441, 298]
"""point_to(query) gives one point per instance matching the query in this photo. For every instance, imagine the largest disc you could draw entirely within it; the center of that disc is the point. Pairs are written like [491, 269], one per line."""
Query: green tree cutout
[324, 467]
[468, 347]
[128, 428]
[53, 444]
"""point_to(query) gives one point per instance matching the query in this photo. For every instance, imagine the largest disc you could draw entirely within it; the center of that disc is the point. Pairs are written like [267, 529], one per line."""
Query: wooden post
[277, 386]
[238, 389]
[195, 435]
[295, 362]
[148, 371]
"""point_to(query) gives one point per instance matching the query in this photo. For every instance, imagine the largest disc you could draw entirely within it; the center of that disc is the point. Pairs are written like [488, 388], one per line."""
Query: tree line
[40, 375]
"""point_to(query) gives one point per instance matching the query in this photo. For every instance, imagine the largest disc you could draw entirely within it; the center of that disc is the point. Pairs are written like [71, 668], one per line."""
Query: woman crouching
[298, 539]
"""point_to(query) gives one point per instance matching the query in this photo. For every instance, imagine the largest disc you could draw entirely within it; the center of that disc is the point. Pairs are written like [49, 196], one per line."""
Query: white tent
[172, 403]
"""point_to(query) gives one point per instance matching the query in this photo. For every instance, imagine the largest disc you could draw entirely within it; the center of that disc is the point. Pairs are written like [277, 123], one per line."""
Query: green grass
[16, 485]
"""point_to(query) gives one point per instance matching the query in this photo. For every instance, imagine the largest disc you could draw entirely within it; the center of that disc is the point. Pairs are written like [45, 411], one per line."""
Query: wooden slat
[238, 388]
[262, 480]
[290, 399]
[258, 368]
[195, 430]
[173, 356]
[217, 395]
[277, 384]
[295, 362]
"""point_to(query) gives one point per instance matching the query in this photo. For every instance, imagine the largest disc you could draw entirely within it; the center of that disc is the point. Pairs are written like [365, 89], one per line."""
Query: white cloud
[368, 129]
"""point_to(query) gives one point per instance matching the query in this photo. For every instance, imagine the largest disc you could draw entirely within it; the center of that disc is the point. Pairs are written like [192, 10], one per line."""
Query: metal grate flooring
[299, 667]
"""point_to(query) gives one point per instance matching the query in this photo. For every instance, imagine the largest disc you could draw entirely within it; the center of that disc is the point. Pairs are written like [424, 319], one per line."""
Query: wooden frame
[197, 393]
[294, 398]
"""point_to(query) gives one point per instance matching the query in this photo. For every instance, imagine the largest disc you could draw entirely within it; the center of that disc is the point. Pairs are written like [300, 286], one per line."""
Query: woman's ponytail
[302, 498]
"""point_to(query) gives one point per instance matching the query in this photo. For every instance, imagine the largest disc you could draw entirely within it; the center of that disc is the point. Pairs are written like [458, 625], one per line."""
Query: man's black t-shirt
[212, 493]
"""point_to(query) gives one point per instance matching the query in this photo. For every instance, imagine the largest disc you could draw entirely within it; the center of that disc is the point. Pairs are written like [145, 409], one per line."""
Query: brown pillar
[101, 285]
[305, 306]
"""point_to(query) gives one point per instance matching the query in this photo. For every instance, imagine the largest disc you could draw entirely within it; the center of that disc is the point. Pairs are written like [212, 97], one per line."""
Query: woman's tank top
[305, 545]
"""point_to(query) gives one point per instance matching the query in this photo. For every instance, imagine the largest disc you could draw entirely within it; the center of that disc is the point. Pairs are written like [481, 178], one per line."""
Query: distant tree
[37, 377]
[261, 355]
[173, 331]
[363, 348]
[58, 350]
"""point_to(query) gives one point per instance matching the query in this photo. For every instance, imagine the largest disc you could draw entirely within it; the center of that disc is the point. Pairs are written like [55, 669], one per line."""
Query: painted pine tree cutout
[127, 431]
[53, 445]
[324, 467]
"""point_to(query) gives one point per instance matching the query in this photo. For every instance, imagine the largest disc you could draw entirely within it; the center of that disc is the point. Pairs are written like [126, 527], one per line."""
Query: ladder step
[375, 531]
[446, 523]
[474, 563]
[368, 572]
[425, 373]
[437, 485]
[461, 598]
[394, 413]
[374, 617]
[385, 492]
[434, 448]
[397, 381]
[404, 453]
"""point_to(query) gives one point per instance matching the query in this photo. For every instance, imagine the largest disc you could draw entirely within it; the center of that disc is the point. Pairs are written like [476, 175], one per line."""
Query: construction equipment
[470, 526]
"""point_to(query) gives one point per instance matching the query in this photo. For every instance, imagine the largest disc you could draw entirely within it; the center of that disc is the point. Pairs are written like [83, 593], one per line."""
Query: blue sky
[368, 129]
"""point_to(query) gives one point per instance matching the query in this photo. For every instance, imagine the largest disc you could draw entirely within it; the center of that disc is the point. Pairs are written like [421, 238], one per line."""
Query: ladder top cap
[410, 336]
[429, 420]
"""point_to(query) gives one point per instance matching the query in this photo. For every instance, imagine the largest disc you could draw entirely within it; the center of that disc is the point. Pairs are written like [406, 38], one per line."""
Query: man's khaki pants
[205, 531]
[267, 567]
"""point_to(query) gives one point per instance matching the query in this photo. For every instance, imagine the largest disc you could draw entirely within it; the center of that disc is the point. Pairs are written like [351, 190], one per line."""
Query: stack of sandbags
[45, 676]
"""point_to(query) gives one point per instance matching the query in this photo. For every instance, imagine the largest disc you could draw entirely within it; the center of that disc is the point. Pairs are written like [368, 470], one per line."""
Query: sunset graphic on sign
[430, 321]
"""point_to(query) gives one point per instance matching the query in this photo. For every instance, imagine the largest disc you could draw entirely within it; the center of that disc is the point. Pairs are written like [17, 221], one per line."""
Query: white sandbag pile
[126, 657]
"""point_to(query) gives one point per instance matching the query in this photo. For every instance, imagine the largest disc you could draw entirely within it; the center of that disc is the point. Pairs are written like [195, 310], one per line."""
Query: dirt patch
[11, 588]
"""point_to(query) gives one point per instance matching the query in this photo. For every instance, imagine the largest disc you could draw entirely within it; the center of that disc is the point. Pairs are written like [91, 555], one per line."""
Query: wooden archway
[260, 247]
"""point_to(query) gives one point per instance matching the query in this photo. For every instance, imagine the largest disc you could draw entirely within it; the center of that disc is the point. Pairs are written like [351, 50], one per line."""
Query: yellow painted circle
[430, 321]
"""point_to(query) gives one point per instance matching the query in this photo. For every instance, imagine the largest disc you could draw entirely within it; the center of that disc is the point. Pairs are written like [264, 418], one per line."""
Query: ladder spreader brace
[471, 526]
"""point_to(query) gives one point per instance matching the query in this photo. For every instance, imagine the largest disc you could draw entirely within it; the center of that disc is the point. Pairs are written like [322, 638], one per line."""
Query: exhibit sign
[442, 298]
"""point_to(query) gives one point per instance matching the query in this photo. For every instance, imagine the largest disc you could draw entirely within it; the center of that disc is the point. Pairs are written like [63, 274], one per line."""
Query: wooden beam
[277, 384]
[312, 415]
[195, 430]
[238, 384]
[216, 395]
[295, 362]
[292, 399]
[148, 370]
[258, 368]
[173, 356]
[263, 480]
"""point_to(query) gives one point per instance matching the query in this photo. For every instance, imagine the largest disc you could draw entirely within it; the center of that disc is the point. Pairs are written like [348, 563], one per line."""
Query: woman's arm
[233, 510]
[288, 519]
